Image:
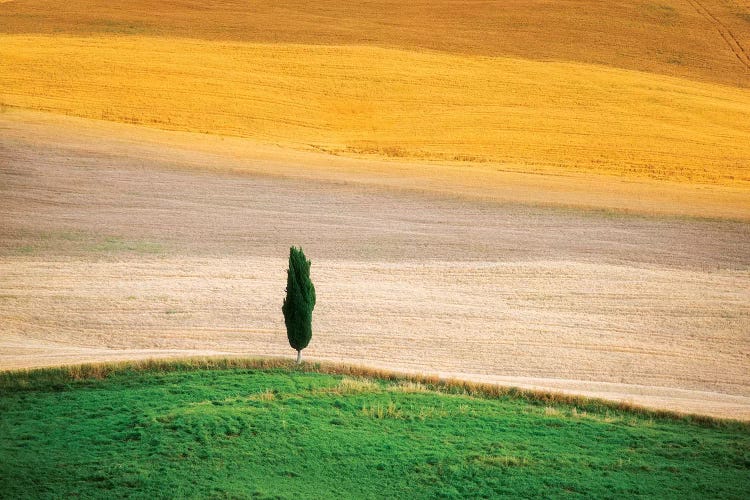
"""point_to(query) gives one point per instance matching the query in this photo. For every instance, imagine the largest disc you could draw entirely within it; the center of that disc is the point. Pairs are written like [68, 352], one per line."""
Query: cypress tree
[299, 302]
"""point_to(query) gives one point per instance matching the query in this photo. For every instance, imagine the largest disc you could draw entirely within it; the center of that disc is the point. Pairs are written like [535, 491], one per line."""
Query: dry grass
[551, 411]
[349, 385]
[380, 412]
[547, 117]
[673, 37]
[267, 395]
[410, 387]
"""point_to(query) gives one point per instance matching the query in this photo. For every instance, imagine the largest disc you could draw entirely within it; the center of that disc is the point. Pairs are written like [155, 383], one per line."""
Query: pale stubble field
[109, 253]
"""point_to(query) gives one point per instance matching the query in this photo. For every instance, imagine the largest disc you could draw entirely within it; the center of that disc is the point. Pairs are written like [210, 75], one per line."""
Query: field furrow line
[734, 45]
[729, 32]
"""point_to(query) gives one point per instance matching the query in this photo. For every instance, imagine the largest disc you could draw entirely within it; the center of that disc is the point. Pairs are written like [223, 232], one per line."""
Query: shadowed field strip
[667, 37]
[549, 117]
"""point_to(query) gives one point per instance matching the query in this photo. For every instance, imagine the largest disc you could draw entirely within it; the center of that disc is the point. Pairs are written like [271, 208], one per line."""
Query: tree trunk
[299, 356]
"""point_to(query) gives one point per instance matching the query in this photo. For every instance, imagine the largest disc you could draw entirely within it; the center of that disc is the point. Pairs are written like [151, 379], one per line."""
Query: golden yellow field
[517, 113]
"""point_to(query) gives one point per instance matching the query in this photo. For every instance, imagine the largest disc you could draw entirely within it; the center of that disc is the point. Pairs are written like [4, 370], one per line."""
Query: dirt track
[109, 252]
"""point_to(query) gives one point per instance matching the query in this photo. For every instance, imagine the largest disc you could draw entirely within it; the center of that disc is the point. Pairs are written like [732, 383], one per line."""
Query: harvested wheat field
[111, 250]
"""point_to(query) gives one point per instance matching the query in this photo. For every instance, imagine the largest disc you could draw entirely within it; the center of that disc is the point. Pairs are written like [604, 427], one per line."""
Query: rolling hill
[235, 429]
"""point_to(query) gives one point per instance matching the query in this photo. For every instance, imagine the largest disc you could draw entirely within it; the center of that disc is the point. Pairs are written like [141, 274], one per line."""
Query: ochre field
[706, 40]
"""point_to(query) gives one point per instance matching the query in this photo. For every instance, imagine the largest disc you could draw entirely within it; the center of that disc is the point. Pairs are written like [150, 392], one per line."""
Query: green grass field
[170, 430]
